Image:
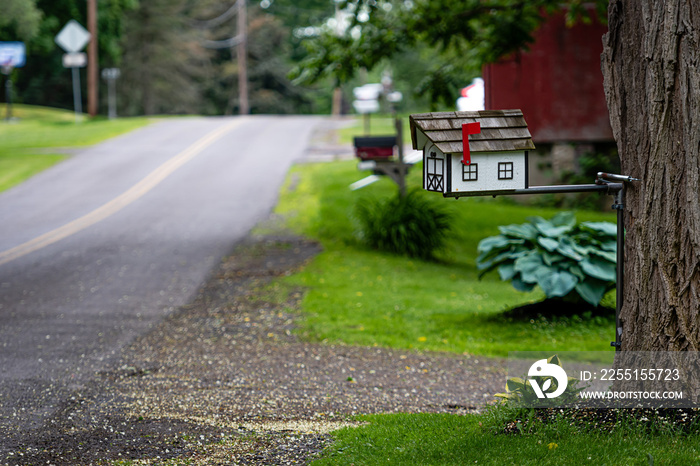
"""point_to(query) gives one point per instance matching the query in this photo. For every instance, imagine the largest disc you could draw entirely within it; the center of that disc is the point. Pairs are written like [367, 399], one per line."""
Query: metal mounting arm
[619, 205]
[604, 178]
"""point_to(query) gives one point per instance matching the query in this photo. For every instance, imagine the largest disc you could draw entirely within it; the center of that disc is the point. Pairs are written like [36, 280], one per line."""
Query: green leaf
[609, 246]
[514, 252]
[607, 228]
[551, 258]
[493, 262]
[485, 255]
[554, 359]
[524, 231]
[567, 248]
[520, 285]
[564, 219]
[548, 243]
[591, 290]
[607, 255]
[577, 272]
[528, 263]
[504, 257]
[493, 242]
[506, 271]
[530, 267]
[581, 249]
[514, 384]
[537, 274]
[549, 229]
[603, 230]
[535, 220]
[557, 284]
[599, 268]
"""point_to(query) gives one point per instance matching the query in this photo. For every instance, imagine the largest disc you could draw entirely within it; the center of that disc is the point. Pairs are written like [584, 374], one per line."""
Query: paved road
[104, 245]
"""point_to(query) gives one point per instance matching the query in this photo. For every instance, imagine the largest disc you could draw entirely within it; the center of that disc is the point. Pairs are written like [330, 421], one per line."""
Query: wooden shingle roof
[501, 130]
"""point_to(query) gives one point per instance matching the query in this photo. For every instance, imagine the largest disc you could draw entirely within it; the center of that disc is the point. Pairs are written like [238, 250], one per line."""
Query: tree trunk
[650, 63]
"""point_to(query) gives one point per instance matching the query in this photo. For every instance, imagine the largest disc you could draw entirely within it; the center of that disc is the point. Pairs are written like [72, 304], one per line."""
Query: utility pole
[242, 55]
[92, 82]
[337, 102]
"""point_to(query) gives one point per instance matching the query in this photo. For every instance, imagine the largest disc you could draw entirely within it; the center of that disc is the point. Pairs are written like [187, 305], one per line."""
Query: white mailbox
[468, 153]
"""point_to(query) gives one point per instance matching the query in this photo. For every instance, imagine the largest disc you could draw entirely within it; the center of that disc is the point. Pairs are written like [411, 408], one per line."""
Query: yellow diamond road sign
[73, 37]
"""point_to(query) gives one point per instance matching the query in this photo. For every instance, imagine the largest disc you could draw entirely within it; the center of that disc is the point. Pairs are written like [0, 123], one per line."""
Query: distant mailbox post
[473, 153]
[374, 147]
[383, 155]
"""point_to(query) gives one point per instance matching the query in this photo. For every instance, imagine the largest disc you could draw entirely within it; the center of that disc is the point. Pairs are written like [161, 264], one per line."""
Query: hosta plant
[565, 259]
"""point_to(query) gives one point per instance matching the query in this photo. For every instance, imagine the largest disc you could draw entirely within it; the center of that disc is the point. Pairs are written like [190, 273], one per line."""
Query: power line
[225, 43]
[237, 43]
[219, 20]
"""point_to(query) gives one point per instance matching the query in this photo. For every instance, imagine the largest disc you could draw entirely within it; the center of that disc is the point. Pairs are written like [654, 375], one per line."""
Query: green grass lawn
[363, 297]
[27, 141]
[442, 439]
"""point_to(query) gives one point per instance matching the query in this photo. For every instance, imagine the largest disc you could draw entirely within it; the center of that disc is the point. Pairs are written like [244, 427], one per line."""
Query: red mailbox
[374, 147]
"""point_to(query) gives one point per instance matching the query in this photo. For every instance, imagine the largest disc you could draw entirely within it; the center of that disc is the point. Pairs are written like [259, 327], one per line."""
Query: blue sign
[12, 54]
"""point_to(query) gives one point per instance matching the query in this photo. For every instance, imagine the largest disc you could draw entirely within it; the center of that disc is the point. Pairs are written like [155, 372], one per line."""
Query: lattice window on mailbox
[505, 170]
[470, 172]
[434, 173]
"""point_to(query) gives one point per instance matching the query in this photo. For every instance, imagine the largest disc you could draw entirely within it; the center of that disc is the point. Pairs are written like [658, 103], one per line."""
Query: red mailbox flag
[467, 129]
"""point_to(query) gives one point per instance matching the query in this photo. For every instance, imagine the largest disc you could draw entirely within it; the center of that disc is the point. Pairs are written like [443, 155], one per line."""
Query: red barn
[557, 84]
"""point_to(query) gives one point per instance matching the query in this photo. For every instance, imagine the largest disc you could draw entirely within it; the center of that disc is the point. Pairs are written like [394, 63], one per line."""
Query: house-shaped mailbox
[472, 153]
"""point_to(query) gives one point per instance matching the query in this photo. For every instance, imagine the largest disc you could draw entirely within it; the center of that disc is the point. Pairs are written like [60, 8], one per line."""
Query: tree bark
[650, 63]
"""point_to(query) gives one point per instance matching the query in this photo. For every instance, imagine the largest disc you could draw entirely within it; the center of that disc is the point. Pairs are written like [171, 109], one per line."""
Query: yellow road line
[115, 205]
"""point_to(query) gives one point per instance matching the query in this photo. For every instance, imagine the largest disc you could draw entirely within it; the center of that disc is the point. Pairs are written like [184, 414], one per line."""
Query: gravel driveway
[225, 381]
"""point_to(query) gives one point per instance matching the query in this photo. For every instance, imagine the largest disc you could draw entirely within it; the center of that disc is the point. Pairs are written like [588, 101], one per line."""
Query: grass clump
[410, 225]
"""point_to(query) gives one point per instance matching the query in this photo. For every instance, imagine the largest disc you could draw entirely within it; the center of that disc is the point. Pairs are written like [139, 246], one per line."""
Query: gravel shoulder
[225, 380]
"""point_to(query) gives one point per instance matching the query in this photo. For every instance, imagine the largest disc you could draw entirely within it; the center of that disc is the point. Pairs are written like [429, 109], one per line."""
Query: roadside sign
[74, 60]
[12, 54]
[370, 91]
[366, 98]
[73, 37]
[111, 73]
[366, 106]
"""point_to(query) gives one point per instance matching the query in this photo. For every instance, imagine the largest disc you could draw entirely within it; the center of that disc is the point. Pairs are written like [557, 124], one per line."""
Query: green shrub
[411, 225]
[576, 262]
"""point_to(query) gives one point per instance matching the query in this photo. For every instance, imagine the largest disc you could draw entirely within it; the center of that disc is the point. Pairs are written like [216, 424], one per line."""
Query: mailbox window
[505, 170]
[434, 172]
[470, 172]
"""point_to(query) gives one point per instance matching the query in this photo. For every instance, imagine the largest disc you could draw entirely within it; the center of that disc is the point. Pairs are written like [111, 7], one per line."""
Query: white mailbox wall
[487, 164]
